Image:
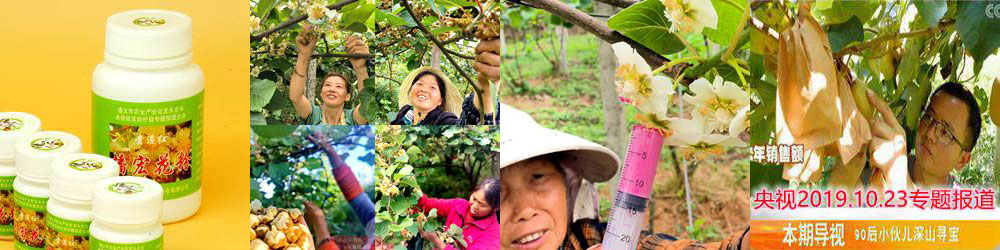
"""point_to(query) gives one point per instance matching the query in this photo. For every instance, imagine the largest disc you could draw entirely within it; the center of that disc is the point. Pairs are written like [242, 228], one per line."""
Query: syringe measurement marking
[637, 183]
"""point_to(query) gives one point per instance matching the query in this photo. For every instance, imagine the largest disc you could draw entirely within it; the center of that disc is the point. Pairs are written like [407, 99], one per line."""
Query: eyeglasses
[940, 131]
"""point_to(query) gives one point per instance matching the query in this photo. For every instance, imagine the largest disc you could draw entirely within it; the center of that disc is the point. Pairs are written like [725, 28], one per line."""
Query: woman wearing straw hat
[541, 171]
[335, 90]
[428, 97]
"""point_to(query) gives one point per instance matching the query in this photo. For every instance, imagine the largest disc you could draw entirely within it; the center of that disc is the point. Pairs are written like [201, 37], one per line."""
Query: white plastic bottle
[68, 211]
[13, 125]
[127, 214]
[34, 155]
[147, 105]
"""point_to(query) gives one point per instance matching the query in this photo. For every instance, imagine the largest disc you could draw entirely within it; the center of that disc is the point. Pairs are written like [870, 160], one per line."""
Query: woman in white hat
[428, 97]
[541, 171]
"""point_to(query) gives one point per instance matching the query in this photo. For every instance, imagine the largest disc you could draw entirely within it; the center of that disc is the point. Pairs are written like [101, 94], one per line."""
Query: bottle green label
[98, 244]
[66, 234]
[10, 124]
[160, 141]
[29, 221]
[6, 205]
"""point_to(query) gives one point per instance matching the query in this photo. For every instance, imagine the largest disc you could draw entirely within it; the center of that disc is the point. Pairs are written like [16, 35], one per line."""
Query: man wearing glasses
[948, 131]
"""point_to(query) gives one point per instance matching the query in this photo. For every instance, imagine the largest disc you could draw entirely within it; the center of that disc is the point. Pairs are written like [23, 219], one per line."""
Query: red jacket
[478, 234]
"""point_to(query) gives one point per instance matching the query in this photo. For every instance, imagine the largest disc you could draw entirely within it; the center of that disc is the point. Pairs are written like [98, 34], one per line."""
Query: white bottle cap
[74, 175]
[14, 125]
[127, 200]
[148, 35]
[36, 151]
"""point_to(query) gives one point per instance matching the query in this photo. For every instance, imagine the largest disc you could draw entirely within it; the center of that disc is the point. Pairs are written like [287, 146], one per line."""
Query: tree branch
[619, 3]
[345, 55]
[389, 78]
[598, 28]
[858, 47]
[295, 20]
[464, 56]
[433, 38]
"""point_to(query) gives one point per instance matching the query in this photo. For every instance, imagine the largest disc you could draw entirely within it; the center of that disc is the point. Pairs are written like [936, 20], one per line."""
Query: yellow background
[48, 50]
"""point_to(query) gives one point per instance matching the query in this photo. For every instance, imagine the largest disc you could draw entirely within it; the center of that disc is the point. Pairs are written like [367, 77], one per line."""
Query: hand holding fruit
[433, 238]
[306, 40]
[888, 144]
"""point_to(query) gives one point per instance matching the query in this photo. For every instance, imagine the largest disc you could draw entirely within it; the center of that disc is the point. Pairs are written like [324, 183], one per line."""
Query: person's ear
[963, 160]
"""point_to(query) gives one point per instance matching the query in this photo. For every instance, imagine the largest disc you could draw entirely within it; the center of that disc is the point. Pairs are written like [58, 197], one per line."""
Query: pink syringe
[634, 187]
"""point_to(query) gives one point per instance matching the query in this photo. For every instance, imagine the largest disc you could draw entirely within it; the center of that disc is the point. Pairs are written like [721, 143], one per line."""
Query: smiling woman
[541, 172]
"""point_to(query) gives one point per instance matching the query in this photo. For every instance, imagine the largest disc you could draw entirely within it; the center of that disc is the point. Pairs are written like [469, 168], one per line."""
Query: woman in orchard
[335, 90]
[429, 98]
[476, 216]
[363, 207]
[541, 171]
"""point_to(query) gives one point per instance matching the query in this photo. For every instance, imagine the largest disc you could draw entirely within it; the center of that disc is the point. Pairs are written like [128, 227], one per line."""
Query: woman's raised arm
[297, 85]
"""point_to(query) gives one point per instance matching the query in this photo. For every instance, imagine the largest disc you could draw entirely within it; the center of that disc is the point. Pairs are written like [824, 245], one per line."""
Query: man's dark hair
[975, 121]
[492, 192]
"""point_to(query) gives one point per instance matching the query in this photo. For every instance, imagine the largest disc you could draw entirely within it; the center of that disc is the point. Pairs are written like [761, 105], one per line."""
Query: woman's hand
[433, 238]
[888, 145]
[319, 139]
[595, 247]
[306, 40]
[488, 60]
[357, 46]
[316, 220]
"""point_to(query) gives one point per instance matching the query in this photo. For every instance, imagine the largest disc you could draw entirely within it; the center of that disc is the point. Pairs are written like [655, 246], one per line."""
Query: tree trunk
[435, 57]
[563, 65]
[615, 127]
[503, 43]
[311, 80]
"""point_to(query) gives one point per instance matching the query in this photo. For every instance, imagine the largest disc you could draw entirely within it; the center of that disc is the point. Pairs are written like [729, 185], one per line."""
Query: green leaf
[645, 23]
[456, 3]
[382, 228]
[428, 20]
[392, 19]
[414, 151]
[843, 34]
[369, 101]
[407, 170]
[910, 62]
[257, 118]
[261, 91]
[729, 20]
[931, 10]
[279, 171]
[401, 204]
[274, 131]
[358, 16]
[831, 12]
[265, 6]
[977, 30]
[445, 29]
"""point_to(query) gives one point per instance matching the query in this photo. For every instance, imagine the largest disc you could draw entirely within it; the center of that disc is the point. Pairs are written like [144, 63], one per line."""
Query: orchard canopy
[443, 34]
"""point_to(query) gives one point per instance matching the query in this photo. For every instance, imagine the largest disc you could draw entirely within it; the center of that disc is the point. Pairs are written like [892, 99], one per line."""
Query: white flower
[317, 13]
[638, 86]
[690, 16]
[695, 133]
[254, 23]
[739, 122]
[717, 102]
